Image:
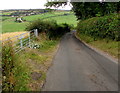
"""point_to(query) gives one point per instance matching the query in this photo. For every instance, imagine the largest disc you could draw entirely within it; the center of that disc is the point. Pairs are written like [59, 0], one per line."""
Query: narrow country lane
[79, 68]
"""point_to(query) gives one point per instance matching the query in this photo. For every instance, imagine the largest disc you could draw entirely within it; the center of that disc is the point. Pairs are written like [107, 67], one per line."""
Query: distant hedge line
[51, 28]
[101, 27]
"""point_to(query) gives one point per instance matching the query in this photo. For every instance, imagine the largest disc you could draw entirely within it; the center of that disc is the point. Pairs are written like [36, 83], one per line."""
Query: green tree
[85, 10]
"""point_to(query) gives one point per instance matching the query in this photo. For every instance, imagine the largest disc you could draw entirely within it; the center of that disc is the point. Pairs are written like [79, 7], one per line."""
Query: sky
[26, 4]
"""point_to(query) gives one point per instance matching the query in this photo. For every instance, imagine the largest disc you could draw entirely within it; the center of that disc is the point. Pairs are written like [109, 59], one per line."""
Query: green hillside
[9, 24]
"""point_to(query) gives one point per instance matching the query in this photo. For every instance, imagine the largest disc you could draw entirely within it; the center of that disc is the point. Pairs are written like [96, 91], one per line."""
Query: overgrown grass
[15, 74]
[28, 61]
[8, 63]
[108, 46]
[48, 45]
[38, 61]
[33, 55]
[21, 74]
[20, 66]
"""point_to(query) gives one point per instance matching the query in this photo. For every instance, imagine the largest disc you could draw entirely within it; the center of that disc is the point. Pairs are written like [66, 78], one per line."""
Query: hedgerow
[51, 28]
[101, 27]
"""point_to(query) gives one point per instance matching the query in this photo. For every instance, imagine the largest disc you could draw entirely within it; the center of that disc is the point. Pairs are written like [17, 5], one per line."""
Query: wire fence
[22, 41]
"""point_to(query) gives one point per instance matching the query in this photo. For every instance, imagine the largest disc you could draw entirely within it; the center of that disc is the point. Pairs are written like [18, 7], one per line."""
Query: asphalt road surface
[79, 68]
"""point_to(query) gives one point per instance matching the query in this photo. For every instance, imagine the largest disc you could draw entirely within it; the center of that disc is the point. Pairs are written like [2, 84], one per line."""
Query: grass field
[69, 19]
[6, 18]
[9, 24]
[40, 16]
[6, 13]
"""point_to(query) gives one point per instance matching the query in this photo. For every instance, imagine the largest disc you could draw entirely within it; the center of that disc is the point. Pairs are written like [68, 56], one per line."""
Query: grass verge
[15, 74]
[21, 74]
[38, 61]
[26, 70]
[108, 46]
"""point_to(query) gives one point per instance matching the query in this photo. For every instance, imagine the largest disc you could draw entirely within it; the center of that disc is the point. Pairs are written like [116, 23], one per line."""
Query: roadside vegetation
[26, 70]
[98, 23]
[101, 32]
[101, 27]
[50, 28]
[108, 46]
[37, 62]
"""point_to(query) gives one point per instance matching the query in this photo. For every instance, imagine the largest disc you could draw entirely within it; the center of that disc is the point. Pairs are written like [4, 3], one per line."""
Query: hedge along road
[79, 68]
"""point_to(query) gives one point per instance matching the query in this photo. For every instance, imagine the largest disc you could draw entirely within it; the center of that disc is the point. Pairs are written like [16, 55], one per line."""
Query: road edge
[53, 56]
[98, 50]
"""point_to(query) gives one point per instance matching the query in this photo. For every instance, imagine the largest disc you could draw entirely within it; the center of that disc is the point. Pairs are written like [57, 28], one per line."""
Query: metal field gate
[23, 40]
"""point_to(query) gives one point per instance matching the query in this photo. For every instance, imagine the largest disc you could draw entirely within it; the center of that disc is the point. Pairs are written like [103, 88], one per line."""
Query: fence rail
[22, 41]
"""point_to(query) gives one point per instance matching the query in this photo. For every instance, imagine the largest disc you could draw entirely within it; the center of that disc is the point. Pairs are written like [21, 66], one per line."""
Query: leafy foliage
[8, 60]
[50, 28]
[84, 10]
[14, 72]
[56, 4]
[101, 27]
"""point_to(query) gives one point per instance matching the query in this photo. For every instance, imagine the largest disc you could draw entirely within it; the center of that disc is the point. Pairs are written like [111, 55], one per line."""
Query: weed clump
[8, 60]
[14, 72]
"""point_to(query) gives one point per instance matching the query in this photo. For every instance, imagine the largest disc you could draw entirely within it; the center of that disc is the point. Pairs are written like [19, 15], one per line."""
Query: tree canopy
[84, 10]
[55, 4]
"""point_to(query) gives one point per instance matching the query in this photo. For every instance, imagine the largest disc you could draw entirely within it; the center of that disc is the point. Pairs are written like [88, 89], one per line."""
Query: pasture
[69, 19]
[9, 24]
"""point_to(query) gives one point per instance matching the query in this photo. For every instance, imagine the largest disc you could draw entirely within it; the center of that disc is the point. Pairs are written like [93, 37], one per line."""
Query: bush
[8, 60]
[14, 71]
[51, 28]
[101, 27]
